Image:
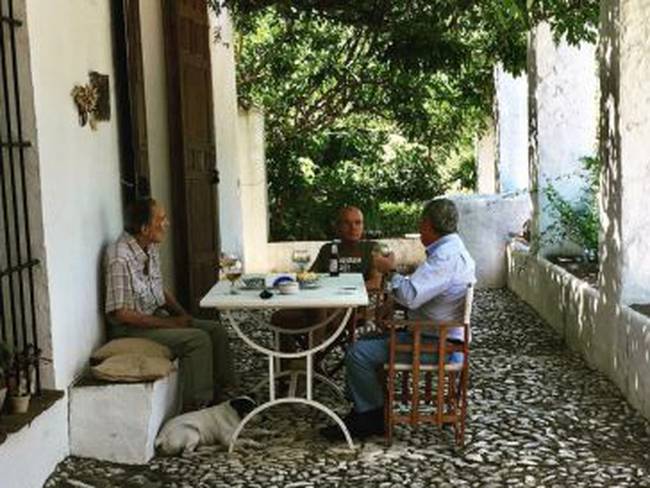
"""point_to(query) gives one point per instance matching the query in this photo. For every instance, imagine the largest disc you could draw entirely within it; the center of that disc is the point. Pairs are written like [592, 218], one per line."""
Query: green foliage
[579, 220]
[341, 81]
[397, 219]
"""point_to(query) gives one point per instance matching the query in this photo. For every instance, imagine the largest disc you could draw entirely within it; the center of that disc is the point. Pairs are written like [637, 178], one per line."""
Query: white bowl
[289, 287]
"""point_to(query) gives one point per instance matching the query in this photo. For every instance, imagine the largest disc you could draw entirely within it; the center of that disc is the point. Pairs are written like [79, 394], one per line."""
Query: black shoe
[360, 425]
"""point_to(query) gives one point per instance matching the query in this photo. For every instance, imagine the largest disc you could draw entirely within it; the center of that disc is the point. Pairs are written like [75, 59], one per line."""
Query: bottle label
[334, 265]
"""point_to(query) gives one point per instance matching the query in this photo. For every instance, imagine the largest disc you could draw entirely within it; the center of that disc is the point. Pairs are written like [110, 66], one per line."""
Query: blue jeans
[365, 356]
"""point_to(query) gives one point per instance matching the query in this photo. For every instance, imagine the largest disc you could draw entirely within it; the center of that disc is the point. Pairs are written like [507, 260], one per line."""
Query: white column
[563, 84]
[254, 193]
[625, 150]
[486, 154]
[224, 92]
[511, 114]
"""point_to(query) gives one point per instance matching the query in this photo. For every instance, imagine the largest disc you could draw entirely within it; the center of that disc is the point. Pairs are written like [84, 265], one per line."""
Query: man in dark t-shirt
[355, 256]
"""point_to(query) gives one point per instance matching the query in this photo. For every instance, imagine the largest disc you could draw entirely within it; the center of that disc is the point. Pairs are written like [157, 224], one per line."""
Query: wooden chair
[365, 320]
[450, 406]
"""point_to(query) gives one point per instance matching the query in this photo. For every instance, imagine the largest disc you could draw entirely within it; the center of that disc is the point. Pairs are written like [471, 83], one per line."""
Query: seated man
[435, 291]
[137, 305]
[355, 256]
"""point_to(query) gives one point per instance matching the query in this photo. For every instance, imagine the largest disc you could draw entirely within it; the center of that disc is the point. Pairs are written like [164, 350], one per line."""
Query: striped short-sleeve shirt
[133, 278]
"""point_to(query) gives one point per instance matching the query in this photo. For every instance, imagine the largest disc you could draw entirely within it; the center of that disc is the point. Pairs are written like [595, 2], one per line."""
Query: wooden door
[192, 148]
[132, 117]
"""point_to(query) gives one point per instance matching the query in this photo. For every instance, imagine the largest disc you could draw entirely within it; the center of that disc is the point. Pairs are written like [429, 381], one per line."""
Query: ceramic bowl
[289, 287]
[253, 282]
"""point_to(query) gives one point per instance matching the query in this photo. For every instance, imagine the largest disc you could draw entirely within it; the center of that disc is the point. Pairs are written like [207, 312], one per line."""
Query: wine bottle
[334, 259]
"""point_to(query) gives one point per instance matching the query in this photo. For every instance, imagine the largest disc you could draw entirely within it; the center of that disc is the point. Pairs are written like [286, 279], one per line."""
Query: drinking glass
[232, 268]
[382, 249]
[301, 257]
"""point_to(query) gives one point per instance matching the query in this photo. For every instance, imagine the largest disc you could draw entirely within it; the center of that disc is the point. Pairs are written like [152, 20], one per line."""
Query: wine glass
[381, 249]
[301, 257]
[232, 268]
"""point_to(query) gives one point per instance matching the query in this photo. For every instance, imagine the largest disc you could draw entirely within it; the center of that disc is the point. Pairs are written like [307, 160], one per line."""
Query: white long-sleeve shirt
[437, 288]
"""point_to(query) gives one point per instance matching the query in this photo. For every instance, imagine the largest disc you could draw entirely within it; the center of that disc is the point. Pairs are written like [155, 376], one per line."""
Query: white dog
[213, 425]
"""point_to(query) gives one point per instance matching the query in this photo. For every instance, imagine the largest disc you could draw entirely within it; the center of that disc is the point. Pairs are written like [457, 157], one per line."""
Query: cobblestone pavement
[538, 417]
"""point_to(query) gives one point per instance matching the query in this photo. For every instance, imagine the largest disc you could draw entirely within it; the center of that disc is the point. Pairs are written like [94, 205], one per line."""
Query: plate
[310, 285]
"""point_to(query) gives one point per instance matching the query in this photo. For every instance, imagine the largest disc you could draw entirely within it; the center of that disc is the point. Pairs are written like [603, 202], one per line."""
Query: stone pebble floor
[538, 417]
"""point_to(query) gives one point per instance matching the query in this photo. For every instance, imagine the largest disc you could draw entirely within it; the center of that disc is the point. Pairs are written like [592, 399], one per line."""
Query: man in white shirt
[435, 291]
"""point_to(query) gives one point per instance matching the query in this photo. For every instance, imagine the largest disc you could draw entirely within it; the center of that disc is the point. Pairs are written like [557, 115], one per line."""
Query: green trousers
[204, 354]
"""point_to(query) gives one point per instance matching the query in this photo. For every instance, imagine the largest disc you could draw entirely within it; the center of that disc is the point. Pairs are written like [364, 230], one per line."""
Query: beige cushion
[132, 368]
[130, 345]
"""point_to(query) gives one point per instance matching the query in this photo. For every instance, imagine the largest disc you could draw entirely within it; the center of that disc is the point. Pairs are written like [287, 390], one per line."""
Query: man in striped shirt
[137, 305]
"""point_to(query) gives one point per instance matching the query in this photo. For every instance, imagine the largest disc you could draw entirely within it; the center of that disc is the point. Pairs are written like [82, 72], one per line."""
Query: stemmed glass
[232, 267]
[301, 257]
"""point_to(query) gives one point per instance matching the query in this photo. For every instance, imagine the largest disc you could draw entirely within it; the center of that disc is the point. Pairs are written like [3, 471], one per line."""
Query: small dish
[309, 285]
[253, 282]
[289, 287]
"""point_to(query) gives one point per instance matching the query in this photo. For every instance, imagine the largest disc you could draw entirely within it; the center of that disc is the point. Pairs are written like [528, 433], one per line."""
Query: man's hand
[384, 264]
[181, 321]
[136, 319]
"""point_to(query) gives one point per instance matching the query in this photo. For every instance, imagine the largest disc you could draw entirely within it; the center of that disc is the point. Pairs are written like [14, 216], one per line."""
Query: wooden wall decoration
[93, 100]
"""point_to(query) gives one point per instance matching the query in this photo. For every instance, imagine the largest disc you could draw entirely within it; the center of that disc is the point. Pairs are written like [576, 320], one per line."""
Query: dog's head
[243, 405]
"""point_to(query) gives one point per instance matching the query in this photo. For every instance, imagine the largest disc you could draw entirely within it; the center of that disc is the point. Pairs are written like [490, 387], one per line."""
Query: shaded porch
[538, 416]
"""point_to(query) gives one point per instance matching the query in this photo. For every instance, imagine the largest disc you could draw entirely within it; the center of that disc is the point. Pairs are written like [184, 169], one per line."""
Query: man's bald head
[349, 224]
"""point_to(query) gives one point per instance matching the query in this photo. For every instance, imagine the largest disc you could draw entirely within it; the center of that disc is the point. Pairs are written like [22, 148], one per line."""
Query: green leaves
[577, 220]
[340, 82]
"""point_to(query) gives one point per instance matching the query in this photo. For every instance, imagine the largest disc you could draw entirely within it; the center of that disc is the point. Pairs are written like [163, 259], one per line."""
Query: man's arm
[429, 280]
[136, 319]
[172, 305]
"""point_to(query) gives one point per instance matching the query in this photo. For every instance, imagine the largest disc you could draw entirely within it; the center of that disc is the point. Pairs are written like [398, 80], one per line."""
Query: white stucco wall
[486, 225]
[625, 150]
[155, 79]
[253, 187]
[79, 171]
[226, 127]
[511, 113]
[615, 340]
[564, 87]
[28, 457]
[486, 155]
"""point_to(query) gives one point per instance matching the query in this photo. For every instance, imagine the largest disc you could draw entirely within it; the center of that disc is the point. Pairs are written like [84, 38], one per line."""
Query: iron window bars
[17, 307]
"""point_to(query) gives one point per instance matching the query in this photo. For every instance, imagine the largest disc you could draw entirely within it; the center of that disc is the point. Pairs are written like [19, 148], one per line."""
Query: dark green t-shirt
[355, 258]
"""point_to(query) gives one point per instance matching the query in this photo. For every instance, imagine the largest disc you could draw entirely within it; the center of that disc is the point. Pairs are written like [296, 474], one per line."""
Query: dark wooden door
[132, 115]
[192, 147]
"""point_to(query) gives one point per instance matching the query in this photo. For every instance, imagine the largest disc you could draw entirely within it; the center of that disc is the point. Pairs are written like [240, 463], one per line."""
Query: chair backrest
[467, 314]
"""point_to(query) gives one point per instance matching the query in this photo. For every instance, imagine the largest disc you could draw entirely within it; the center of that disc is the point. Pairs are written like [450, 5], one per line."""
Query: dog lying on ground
[213, 425]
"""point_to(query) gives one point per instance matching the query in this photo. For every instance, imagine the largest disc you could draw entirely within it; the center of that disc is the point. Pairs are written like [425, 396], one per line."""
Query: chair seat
[425, 367]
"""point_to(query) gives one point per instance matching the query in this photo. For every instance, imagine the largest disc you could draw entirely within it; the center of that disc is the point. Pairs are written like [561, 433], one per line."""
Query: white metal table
[345, 292]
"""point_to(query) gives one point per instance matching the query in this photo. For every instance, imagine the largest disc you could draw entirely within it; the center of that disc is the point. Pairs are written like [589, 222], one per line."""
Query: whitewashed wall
[226, 127]
[486, 159]
[625, 150]
[79, 171]
[255, 221]
[486, 225]
[564, 91]
[155, 79]
[615, 340]
[511, 114]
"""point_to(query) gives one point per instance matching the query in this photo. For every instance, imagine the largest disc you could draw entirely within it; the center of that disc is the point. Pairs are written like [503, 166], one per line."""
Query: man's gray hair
[442, 214]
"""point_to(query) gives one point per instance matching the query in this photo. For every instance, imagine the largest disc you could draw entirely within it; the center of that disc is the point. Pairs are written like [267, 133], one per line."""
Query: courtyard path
[538, 417]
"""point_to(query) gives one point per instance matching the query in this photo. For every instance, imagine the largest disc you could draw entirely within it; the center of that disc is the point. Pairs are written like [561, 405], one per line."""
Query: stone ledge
[118, 422]
[11, 423]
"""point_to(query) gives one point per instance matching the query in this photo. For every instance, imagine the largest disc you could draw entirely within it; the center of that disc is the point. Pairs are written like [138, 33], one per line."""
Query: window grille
[17, 307]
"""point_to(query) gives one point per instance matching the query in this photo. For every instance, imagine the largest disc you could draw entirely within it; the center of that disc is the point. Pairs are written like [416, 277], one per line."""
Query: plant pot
[19, 404]
[3, 395]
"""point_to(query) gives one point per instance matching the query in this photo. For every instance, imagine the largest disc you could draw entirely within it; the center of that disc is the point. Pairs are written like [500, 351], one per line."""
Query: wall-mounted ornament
[93, 100]
[103, 105]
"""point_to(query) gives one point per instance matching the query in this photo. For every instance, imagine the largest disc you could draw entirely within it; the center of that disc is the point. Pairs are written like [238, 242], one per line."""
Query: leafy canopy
[366, 102]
